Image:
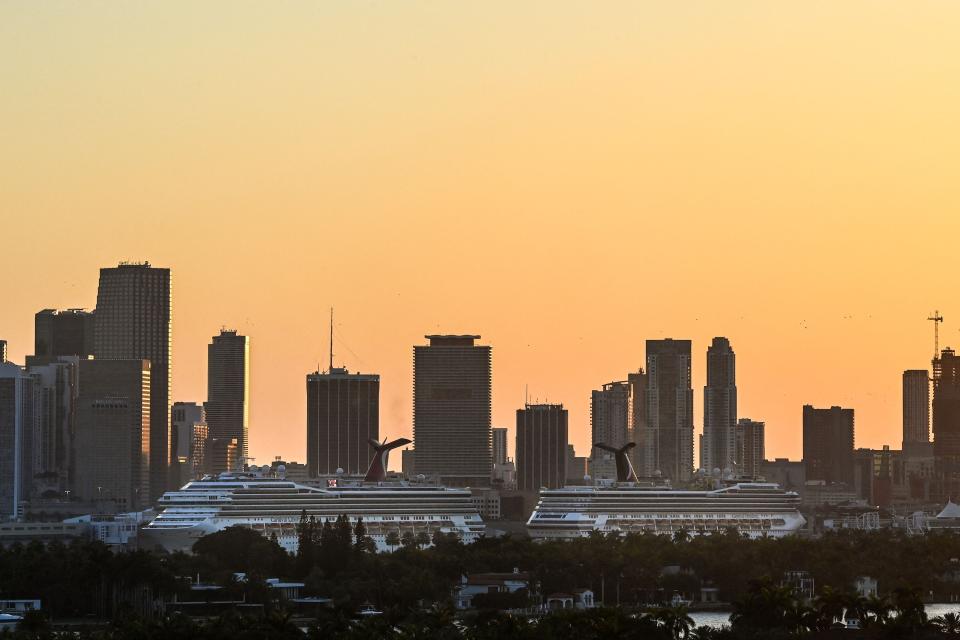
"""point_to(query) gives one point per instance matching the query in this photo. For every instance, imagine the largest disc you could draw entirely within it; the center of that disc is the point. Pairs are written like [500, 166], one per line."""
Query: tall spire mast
[331, 340]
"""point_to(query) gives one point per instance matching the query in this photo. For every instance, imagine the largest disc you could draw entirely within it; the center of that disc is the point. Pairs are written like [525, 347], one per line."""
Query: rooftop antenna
[331, 341]
[936, 318]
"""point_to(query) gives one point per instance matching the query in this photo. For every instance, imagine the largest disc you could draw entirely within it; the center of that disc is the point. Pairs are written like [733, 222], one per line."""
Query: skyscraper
[3, 351]
[133, 322]
[916, 406]
[113, 433]
[17, 428]
[499, 445]
[67, 332]
[610, 414]
[343, 413]
[828, 440]
[228, 389]
[57, 383]
[451, 409]
[718, 446]
[668, 443]
[749, 448]
[188, 426]
[946, 420]
[541, 450]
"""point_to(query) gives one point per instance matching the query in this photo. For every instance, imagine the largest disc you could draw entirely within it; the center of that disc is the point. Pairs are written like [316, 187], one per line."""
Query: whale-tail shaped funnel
[378, 466]
[625, 472]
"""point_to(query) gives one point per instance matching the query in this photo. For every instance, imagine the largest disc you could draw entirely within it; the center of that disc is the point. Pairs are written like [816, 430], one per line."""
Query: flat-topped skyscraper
[541, 450]
[718, 448]
[828, 441]
[668, 443]
[63, 333]
[451, 409]
[916, 406]
[133, 322]
[343, 414]
[228, 390]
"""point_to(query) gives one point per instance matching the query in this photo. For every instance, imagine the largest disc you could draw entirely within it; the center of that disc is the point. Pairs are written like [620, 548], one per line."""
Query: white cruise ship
[274, 506]
[755, 509]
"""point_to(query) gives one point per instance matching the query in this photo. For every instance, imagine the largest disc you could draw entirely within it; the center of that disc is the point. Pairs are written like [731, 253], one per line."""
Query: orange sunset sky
[565, 179]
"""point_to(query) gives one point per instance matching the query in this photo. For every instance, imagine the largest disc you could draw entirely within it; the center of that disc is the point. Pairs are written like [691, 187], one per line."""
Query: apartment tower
[718, 446]
[228, 390]
[668, 440]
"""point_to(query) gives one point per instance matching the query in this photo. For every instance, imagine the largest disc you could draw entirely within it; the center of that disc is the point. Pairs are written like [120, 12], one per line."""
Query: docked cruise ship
[756, 509]
[274, 506]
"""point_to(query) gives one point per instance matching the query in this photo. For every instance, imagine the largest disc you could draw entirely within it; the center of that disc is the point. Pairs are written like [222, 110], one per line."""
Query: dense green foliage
[414, 584]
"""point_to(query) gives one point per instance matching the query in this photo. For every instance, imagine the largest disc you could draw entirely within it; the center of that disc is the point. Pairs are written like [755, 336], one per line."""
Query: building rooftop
[449, 340]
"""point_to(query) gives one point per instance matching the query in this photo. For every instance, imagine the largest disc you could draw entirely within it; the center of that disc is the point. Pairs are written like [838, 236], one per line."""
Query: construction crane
[936, 318]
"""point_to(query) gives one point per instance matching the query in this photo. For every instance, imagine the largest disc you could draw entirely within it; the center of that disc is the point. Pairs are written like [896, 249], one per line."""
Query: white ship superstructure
[755, 509]
[273, 507]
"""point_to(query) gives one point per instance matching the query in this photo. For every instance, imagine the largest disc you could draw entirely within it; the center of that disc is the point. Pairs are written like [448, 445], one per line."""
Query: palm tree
[947, 624]
[675, 620]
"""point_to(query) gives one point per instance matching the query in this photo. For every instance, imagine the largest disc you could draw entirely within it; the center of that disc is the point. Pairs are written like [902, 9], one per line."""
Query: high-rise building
[916, 406]
[198, 455]
[718, 446]
[749, 448]
[637, 414]
[946, 420]
[668, 442]
[610, 414]
[112, 441]
[133, 322]
[499, 445]
[576, 466]
[188, 424]
[343, 413]
[451, 409]
[222, 454]
[541, 450]
[56, 383]
[17, 428]
[63, 333]
[828, 441]
[228, 389]
[3, 351]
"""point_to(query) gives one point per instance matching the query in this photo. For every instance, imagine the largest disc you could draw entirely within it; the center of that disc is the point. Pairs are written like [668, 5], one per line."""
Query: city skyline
[475, 179]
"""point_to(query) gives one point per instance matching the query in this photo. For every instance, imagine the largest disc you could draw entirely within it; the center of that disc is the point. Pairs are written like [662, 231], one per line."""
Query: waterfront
[717, 619]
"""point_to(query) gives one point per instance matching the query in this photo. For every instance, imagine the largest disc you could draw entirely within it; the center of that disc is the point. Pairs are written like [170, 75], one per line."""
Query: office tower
[63, 333]
[56, 383]
[188, 420]
[749, 442]
[112, 439]
[916, 406]
[17, 429]
[228, 389]
[499, 445]
[451, 409]
[576, 466]
[668, 443]
[133, 323]
[541, 450]
[828, 437]
[946, 421]
[610, 414]
[718, 445]
[343, 413]
[3, 351]
[222, 454]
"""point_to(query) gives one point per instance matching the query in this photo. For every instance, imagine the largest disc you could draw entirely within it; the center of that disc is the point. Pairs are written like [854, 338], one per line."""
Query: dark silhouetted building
[916, 406]
[222, 454]
[17, 426]
[67, 332]
[451, 409]
[499, 445]
[228, 389]
[610, 414]
[668, 443]
[56, 382]
[749, 448]
[188, 426]
[3, 351]
[541, 449]
[946, 421]
[343, 413]
[113, 433]
[718, 446]
[828, 440]
[133, 323]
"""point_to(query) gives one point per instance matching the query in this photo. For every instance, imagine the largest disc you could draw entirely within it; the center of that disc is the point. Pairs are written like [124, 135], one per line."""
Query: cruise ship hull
[754, 510]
